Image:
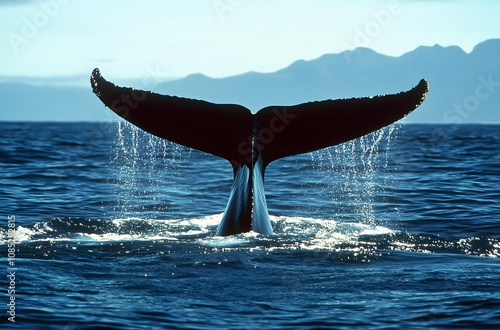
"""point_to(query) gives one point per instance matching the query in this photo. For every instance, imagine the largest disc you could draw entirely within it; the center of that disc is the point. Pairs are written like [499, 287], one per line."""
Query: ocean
[106, 227]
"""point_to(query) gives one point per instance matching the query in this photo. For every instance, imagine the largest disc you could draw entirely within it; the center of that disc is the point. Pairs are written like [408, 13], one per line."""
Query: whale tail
[228, 130]
[232, 132]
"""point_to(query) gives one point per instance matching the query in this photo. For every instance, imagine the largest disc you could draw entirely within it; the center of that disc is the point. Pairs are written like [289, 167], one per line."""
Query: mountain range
[464, 87]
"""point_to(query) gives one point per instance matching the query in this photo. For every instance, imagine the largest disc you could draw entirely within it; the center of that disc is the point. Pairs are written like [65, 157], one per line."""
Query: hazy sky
[172, 38]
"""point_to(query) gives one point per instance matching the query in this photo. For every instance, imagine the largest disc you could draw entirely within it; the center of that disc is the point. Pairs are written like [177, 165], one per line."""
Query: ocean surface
[115, 229]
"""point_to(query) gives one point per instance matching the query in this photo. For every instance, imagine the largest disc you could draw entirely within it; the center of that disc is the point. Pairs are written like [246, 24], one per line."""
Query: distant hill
[463, 87]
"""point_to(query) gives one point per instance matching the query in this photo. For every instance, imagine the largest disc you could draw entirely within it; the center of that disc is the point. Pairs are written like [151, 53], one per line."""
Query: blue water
[115, 229]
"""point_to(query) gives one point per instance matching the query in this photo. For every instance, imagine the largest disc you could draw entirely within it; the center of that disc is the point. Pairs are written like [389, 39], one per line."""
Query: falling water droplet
[357, 174]
[142, 163]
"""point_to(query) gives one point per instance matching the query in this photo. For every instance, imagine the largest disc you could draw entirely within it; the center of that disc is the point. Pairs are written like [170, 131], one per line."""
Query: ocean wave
[361, 241]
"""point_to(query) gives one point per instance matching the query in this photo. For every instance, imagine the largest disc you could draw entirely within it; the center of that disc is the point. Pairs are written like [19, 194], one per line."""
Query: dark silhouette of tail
[249, 141]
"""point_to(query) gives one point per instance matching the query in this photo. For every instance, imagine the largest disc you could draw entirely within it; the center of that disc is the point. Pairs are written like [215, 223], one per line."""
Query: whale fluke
[250, 142]
[317, 125]
[213, 128]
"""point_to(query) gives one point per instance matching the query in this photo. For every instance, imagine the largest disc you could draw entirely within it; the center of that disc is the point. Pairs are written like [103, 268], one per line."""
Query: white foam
[290, 232]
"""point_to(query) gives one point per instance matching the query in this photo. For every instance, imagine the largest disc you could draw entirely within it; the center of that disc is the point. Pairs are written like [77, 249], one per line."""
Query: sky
[49, 41]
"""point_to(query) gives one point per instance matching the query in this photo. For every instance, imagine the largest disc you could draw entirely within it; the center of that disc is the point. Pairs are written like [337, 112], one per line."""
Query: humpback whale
[250, 142]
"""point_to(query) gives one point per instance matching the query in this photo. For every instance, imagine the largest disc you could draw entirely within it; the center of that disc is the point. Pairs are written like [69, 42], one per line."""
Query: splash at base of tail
[250, 142]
